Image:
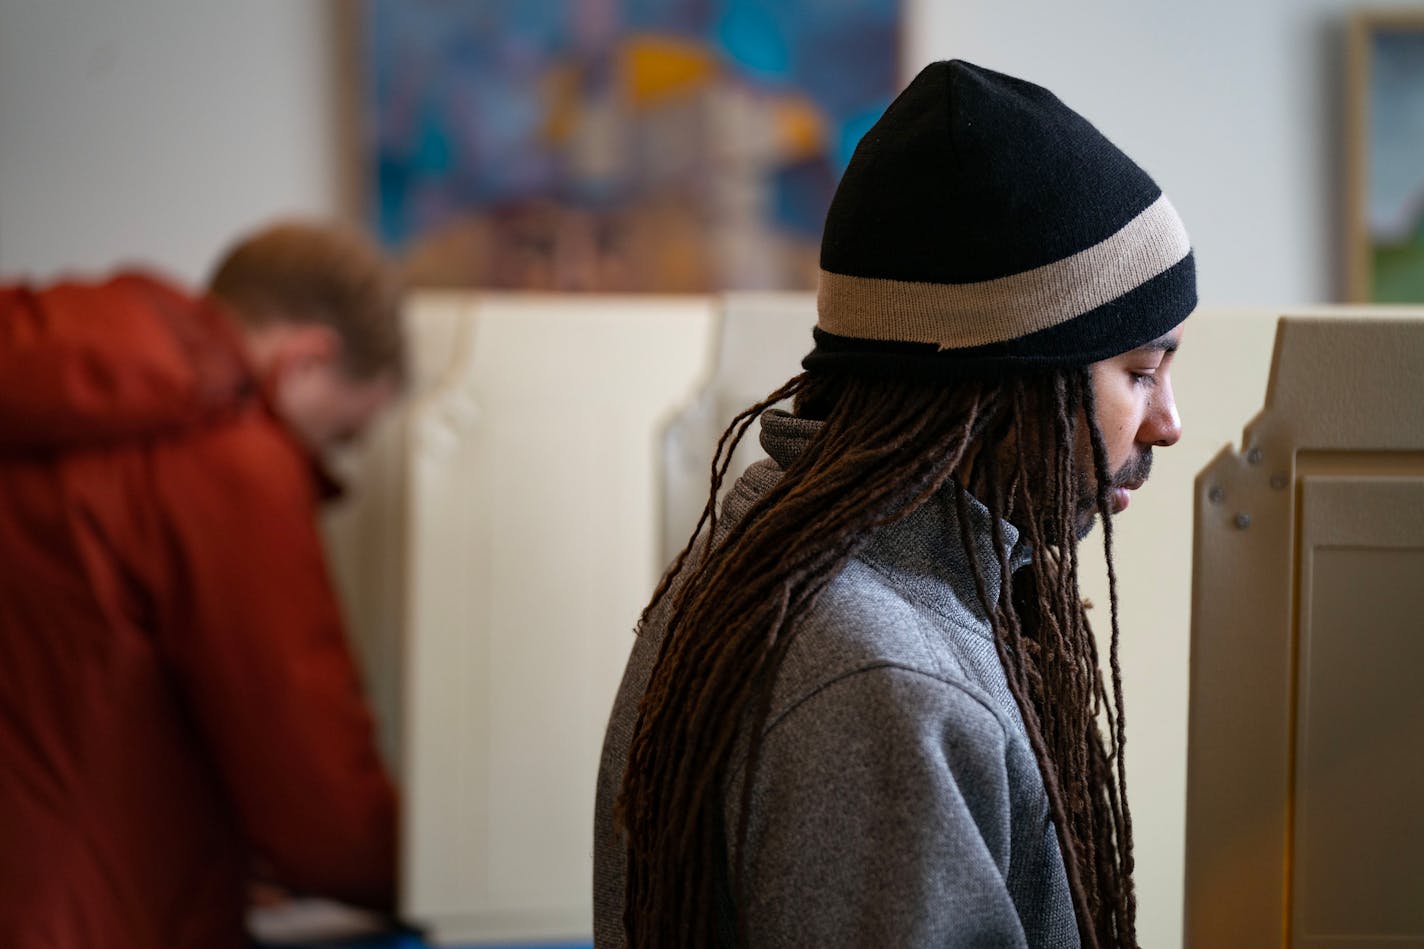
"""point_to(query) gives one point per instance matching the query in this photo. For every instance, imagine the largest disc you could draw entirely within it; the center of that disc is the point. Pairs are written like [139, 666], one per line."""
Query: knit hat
[983, 225]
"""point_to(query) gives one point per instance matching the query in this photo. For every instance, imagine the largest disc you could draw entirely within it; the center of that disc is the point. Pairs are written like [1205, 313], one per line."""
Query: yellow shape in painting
[800, 128]
[655, 68]
[559, 87]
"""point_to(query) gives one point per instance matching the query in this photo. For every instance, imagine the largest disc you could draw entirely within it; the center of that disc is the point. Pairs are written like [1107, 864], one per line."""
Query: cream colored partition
[364, 533]
[761, 339]
[532, 542]
[1307, 721]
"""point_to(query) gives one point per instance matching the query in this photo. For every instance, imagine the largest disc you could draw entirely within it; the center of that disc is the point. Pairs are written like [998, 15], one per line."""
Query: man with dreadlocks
[867, 709]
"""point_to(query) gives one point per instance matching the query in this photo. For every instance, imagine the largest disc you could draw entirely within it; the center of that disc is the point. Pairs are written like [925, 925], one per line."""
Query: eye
[1146, 377]
[1144, 370]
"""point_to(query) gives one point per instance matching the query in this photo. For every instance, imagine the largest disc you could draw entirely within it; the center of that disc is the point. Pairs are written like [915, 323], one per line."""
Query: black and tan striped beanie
[983, 225]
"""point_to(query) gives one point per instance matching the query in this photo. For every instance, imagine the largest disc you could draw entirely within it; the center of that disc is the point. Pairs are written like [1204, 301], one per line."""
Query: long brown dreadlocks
[886, 447]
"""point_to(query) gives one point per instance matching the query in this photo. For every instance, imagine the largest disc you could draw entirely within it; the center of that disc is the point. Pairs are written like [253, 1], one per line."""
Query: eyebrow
[1162, 344]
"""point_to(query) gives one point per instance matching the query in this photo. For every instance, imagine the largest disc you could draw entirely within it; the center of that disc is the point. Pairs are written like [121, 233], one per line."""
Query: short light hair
[309, 272]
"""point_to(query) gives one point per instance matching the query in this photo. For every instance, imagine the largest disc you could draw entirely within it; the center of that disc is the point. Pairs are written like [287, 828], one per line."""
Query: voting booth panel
[1306, 715]
[531, 549]
[759, 341]
[493, 562]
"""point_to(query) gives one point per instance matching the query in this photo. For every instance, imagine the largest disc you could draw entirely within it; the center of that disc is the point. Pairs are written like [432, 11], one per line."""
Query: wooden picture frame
[1384, 233]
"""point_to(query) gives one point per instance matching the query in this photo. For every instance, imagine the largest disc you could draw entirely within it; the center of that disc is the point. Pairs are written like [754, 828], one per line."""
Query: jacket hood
[85, 365]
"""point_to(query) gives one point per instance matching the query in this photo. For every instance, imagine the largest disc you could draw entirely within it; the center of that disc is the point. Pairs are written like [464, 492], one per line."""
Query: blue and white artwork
[657, 145]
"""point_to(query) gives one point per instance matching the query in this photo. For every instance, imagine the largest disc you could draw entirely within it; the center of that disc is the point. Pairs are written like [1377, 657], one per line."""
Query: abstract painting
[616, 145]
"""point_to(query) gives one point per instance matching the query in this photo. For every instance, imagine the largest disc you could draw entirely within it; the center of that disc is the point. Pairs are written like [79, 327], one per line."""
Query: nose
[1162, 427]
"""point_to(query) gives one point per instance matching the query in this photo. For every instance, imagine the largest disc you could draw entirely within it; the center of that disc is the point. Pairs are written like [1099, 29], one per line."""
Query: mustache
[1134, 472]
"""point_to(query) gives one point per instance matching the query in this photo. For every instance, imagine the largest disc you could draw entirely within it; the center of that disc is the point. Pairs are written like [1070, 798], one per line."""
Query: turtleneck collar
[925, 549]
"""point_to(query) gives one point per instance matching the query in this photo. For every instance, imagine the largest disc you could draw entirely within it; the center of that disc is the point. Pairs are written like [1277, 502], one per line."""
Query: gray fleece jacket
[897, 802]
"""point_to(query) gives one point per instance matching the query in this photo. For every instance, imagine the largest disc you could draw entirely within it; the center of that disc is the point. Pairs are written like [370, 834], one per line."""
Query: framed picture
[1385, 158]
[614, 145]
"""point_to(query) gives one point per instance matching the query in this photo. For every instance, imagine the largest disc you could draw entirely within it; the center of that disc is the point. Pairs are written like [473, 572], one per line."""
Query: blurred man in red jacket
[177, 699]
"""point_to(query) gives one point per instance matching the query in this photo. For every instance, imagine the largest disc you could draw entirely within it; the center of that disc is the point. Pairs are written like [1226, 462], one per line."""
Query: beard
[1133, 472]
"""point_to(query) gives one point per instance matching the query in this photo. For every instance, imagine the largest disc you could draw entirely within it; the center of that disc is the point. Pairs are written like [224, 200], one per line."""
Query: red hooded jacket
[177, 698]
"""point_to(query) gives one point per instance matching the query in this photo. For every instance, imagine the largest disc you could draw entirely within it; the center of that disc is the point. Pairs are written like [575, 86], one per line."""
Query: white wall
[157, 130]
[1235, 108]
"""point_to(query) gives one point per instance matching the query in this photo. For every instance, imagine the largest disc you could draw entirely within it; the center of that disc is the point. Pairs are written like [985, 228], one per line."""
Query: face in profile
[1136, 411]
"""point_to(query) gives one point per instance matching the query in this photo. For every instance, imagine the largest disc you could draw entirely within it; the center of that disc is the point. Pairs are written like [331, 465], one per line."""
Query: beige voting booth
[1306, 753]
[513, 520]
[758, 343]
[531, 545]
